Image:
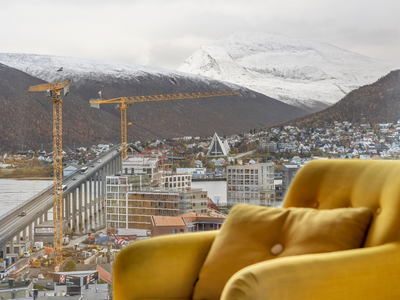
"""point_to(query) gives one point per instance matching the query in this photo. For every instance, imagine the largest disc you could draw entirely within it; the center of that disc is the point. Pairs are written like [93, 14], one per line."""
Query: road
[244, 154]
[11, 224]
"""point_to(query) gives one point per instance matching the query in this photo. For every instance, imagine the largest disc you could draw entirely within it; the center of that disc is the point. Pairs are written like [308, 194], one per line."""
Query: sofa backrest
[327, 184]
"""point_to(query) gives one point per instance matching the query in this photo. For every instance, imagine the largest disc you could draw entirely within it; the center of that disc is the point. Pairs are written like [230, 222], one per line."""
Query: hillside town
[342, 140]
[282, 144]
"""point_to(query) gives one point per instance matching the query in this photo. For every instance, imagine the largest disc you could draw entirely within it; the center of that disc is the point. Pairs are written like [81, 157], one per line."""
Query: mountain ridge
[299, 72]
[85, 126]
[375, 103]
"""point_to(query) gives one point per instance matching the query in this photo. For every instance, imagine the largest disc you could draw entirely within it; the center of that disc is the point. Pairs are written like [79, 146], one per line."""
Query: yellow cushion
[252, 234]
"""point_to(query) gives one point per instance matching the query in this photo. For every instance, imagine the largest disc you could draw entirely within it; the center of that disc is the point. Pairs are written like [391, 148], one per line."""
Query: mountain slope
[375, 103]
[26, 117]
[85, 126]
[299, 72]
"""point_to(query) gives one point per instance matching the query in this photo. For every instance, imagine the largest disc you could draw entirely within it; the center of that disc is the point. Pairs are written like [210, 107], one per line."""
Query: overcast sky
[164, 33]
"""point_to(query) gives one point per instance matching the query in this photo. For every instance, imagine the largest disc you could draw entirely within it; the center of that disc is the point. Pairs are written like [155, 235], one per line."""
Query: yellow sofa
[168, 267]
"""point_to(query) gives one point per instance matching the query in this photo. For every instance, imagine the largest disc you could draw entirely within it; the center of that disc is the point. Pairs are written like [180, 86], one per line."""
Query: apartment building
[252, 183]
[288, 173]
[143, 191]
[141, 165]
[176, 181]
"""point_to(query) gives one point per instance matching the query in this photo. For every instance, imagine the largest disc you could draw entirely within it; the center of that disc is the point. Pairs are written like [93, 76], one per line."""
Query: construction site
[149, 189]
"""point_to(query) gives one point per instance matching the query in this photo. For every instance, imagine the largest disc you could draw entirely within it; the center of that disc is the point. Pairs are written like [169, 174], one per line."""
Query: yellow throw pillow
[252, 234]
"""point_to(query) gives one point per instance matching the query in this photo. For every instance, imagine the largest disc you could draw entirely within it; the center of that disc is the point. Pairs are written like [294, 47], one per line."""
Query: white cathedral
[217, 147]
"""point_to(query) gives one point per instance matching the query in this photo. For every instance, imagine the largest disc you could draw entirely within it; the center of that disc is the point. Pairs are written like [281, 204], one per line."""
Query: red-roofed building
[187, 222]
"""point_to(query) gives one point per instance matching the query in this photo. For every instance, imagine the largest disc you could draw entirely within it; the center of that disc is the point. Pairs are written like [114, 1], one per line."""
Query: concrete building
[141, 165]
[288, 173]
[278, 192]
[130, 207]
[187, 222]
[16, 290]
[133, 209]
[45, 233]
[144, 190]
[253, 184]
[176, 181]
[191, 170]
[199, 201]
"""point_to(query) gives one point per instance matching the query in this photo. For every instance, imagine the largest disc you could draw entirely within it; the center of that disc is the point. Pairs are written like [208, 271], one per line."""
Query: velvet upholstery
[251, 233]
[168, 267]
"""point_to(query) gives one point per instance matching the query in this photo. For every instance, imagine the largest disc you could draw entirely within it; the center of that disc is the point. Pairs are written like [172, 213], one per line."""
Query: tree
[70, 265]
[210, 165]
[175, 165]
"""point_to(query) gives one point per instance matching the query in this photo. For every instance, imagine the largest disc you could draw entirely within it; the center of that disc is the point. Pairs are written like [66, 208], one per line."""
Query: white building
[191, 170]
[69, 170]
[253, 184]
[217, 147]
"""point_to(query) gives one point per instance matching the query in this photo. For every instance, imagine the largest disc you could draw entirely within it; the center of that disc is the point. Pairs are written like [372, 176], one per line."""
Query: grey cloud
[164, 33]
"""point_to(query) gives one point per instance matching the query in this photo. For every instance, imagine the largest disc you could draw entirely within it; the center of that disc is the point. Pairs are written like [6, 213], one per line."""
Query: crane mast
[124, 102]
[54, 90]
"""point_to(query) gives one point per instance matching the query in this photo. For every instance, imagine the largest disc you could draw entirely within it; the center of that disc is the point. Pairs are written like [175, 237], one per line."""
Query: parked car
[22, 214]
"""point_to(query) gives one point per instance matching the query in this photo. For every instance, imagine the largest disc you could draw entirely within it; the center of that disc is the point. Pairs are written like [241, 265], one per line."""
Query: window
[173, 231]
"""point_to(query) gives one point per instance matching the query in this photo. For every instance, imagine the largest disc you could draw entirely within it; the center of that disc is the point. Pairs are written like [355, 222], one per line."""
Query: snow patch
[79, 70]
[288, 69]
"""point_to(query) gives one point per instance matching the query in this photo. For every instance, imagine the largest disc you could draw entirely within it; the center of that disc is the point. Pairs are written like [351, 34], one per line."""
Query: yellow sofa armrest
[359, 274]
[164, 267]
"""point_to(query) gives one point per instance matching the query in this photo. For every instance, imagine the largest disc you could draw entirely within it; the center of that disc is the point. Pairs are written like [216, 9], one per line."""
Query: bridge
[83, 203]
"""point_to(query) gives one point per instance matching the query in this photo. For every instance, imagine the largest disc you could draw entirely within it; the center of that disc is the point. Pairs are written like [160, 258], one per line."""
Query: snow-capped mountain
[295, 71]
[160, 119]
[54, 68]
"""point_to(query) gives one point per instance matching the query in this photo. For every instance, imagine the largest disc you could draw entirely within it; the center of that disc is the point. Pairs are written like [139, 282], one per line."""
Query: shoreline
[28, 178]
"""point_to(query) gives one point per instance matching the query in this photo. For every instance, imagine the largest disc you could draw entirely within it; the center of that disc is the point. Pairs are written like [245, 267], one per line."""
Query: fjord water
[14, 192]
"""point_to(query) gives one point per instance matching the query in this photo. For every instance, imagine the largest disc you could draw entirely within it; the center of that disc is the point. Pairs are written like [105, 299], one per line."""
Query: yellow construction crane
[54, 90]
[124, 102]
